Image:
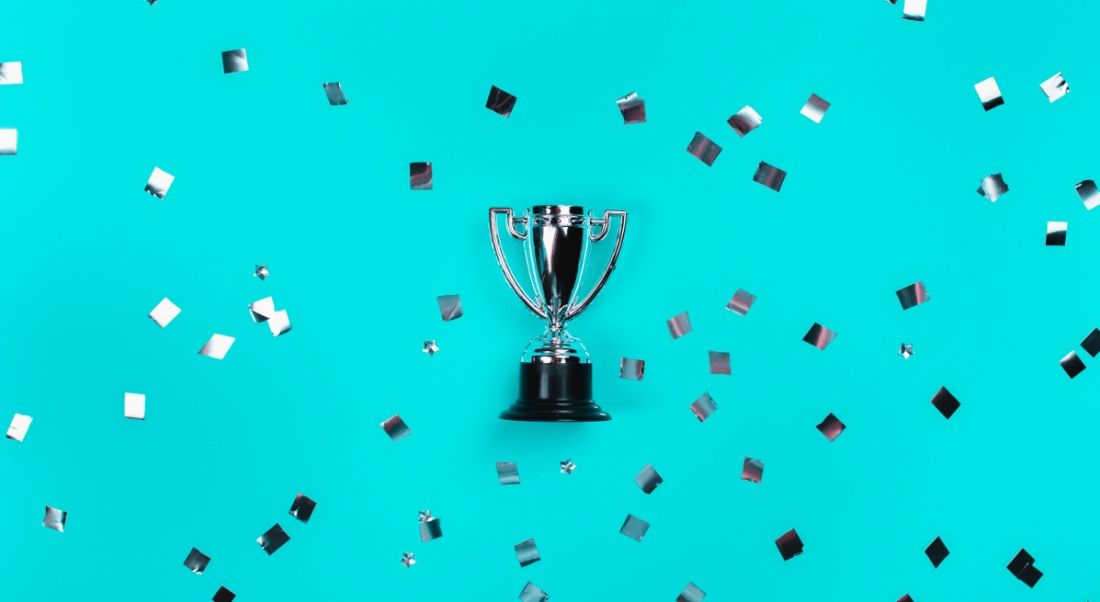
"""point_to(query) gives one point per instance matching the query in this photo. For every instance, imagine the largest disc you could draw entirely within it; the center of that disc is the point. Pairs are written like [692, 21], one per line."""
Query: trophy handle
[604, 224]
[494, 235]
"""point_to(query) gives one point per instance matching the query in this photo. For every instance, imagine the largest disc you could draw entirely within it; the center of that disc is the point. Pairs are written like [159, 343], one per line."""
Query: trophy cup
[555, 371]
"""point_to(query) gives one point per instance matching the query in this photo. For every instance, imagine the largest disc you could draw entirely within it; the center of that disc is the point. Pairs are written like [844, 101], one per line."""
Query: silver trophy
[555, 371]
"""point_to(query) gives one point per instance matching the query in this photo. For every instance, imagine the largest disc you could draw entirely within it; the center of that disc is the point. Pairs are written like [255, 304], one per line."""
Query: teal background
[879, 195]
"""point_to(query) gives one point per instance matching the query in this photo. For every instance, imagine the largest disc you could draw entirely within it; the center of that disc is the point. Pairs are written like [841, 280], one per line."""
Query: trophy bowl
[555, 370]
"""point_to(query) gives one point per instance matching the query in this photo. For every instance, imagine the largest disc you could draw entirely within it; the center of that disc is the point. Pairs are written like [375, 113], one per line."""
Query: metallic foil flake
[989, 93]
[741, 302]
[992, 187]
[831, 427]
[1072, 364]
[634, 527]
[279, 324]
[745, 120]
[769, 176]
[945, 402]
[430, 347]
[704, 407]
[217, 346]
[648, 479]
[235, 61]
[527, 553]
[1023, 568]
[1090, 196]
[500, 102]
[905, 598]
[55, 519]
[507, 473]
[1056, 234]
[789, 544]
[567, 466]
[273, 539]
[262, 310]
[408, 559]
[704, 149]
[420, 175]
[20, 424]
[936, 552]
[159, 182]
[819, 336]
[752, 470]
[9, 141]
[906, 350]
[691, 593]
[679, 325]
[632, 107]
[335, 94]
[430, 527]
[631, 369]
[815, 108]
[532, 593]
[1091, 344]
[914, 10]
[912, 295]
[164, 312]
[1055, 87]
[719, 362]
[261, 272]
[223, 595]
[302, 508]
[11, 73]
[133, 405]
[450, 307]
[396, 428]
[196, 561]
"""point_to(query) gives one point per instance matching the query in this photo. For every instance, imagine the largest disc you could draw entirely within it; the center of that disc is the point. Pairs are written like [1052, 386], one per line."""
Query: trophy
[555, 371]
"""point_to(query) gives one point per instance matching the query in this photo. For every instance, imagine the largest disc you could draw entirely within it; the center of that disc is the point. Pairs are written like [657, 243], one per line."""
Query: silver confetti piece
[273, 539]
[831, 427]
[55, 519]
[631, 369]
[217, 346]
[989, 93]
[906, 350]
[408, 559]
[450, 307]
[914, 10]
[527, 553]
[159, 183]
[532, 593]
[335, 94]
[703, 149]
[507, 473]
[302, 508]
[420, 175]
[752, 470]
[567, 467]
[632, 107]
[648, 479]
[704, 407]
[164, 312]
[261, 272]
[20, 424]
[819, 336]
[196, 561]
[912, 295]
[1091, 344]
[1072, 364]
[1090, 196]
[430, 527]
[279, 324]
[133, 405]
[945, 402]
[745, 120]
[719, 362]
[396, 428]
[223, 594]
[430, 347]
[992, 187]
[770, 176]
[634, 527]
[691, 593]
[1056, 234]
[262, 310]
[741, 302]
[500, 102]
[9, 141]
[11, 73]
[1055, 87]
[235, 61]
[815, 108]
[679, 325]
[789, 544]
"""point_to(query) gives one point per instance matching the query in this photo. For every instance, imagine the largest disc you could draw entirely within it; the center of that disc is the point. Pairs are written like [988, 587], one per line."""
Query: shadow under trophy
[555, 371]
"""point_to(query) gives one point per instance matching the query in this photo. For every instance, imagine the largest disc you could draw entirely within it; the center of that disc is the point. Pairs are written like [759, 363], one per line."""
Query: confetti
[567, 467]
[945, 402]
[1086, 189]
[279, 324]
[235, 61]
[769, 176]
[532, 593]
[430, 348]
[261, 272]
[741, 302]
[815, 108]
[703, 149]
[745, 120]
[988, 92]
[408, 559]
[691, 593]
[9, 141]
[1056, 234]
[20, 424]
[507, 473]
[992, 187]
[719, 362]
[527, 553]
[789, 544]
[217, 346]
[420, 175]
[831, 427]
[634, 527]
[905, 598]
[679, 325]
[55, 519]
[704, 407]
[159, 182]
[335, 94]
[1055, 87]
[164, 312]
[936, 552]
[430, 527]
[262, 310]
[134, 405]
[302, 508]
[631, 369]
[450, 307]
[906, 350]
[913, 10]
[1091, 344]
[500, 102]
[648, 479]
[396, 428]
[11, 73]
[912, 295]
[223, 595]
[632, 107]
[752, 470]
[1072, 364]
[273, 539]
[196, 561]
[1022, 568]
[819, 336]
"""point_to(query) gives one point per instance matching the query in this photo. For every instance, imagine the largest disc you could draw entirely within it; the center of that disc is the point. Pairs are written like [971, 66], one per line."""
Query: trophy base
[555, 393]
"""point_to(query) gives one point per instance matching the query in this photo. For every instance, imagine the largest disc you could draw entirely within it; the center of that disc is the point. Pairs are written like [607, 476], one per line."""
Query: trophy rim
[557, 210]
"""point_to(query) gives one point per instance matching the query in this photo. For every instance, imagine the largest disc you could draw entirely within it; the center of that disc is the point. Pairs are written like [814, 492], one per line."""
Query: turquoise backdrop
[879, 195]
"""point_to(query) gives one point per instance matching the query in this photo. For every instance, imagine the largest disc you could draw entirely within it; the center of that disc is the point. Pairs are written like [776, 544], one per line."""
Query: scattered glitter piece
[11, 73]
[430, 348]
[752, 470]
[279, 324]
[273, 539]
[703, 149]
[691, 593]
[20, 424]
[988, 92]
[1091, 344]
[507, 473]
[217, 346]
[769, 176]
[831, 427]
[134, 405]
[261, 272]
[936, 552]
[1056, 234]
[1055, 87]
[235, 61]
[648, 479]
[302, 508]
[912, 295]
[1086, 189]
[789, 544]
[55, 519]
[223, 595]
[819, 336]
[905, 598]
[164, 312]
[196, 561]
[913, 10]
[450, 307]
[430, 527]
[262, 310]
[1072, 364]
[992, 187]
[527, 553]
[567, 467]
[396, 428]
[631, 369]
[420, 175]
[532, 593]
[632, 107]
[1023, 568]
[704, 407]
[159, 182]
[408, 559]
[906, 350]
[745, 120]
[500, 102]
[9, 141]
[634, 527]
[945, 402]
[719, 362]
[335, 93]
[815, 108]
[679, 325]
[741, 302]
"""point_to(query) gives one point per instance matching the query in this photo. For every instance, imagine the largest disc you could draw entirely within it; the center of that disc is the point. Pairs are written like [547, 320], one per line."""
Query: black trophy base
[555, 393]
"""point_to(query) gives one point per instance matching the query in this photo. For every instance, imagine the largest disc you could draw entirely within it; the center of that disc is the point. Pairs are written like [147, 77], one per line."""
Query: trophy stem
[555, 392]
